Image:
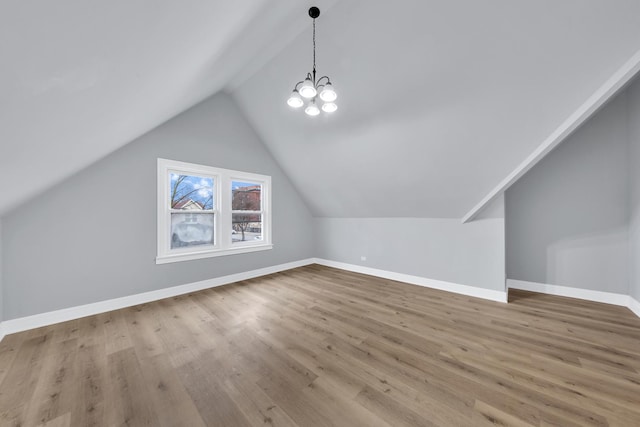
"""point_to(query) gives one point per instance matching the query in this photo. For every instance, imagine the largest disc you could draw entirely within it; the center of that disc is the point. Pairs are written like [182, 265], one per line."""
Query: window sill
[166, 259]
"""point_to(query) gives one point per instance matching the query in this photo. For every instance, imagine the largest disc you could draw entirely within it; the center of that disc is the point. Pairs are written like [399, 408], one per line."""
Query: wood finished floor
[317, 346]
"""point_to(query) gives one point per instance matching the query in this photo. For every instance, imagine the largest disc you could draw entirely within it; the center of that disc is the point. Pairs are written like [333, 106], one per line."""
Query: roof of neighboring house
[188, 204]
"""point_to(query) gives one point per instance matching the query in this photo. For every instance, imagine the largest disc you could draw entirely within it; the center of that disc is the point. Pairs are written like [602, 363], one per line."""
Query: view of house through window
[192, 214]
[246, 213]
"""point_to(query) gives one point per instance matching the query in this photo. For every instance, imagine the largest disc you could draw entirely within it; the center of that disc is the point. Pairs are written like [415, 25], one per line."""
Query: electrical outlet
[363, 258]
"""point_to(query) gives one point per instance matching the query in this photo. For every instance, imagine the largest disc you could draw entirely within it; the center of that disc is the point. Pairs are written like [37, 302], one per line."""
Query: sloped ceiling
[79, 79]
[438, 100]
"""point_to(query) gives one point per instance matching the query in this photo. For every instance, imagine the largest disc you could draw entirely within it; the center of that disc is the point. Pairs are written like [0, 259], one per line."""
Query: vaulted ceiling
[438, 101]
[79, 79]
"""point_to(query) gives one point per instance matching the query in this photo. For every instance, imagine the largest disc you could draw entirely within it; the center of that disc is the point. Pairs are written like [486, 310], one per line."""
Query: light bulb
[328, 94]
[307, 89]
[312, 109]
[295, 100]
[329, 107]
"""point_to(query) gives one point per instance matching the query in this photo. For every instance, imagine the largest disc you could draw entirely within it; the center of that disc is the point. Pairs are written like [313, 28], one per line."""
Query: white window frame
[222, 179]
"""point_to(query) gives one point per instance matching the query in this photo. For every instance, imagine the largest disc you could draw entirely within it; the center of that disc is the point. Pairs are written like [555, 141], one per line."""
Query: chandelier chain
[314, 50]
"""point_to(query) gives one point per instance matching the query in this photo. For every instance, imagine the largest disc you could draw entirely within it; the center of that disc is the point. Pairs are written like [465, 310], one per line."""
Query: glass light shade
[307, 89]
[295, 100]
[328, 94]
[312, 109]
[329, 107]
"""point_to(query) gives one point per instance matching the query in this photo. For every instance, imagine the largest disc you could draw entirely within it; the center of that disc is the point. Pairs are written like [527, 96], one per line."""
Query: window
[205, 212]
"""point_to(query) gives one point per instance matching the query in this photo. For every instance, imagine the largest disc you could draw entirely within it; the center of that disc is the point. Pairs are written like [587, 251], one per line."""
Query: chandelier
[311, 93]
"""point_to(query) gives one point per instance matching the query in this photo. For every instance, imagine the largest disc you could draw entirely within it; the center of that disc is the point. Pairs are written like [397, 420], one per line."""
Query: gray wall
[1, 287]
[634, 167]
[443, 249]
[93, 237]
[567, 218]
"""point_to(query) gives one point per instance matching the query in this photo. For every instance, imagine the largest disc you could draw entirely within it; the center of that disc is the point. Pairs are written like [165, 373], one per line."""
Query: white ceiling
[438, 100]
[79, 79]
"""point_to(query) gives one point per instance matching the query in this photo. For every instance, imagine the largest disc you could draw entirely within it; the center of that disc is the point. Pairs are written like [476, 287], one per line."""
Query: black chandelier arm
[319, 82]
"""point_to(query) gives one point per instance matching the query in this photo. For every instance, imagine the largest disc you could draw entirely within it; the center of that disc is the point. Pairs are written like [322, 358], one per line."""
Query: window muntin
[205, 211]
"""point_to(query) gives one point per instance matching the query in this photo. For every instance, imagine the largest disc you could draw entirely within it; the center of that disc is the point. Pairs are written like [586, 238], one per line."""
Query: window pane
[246, 196]
[191, 229]
[246, 228]
[189, 192]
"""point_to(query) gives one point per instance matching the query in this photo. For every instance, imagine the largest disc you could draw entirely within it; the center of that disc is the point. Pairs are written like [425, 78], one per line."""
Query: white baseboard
[634, 306]
[472, 291]
[585, 294]
[44, 319]
[49, 318]
[567, 291]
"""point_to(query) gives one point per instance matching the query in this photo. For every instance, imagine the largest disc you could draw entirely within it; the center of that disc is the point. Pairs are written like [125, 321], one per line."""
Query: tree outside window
[246, 211]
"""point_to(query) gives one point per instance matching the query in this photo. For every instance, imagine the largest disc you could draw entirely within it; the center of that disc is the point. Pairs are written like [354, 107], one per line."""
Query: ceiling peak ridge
[607, 91]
